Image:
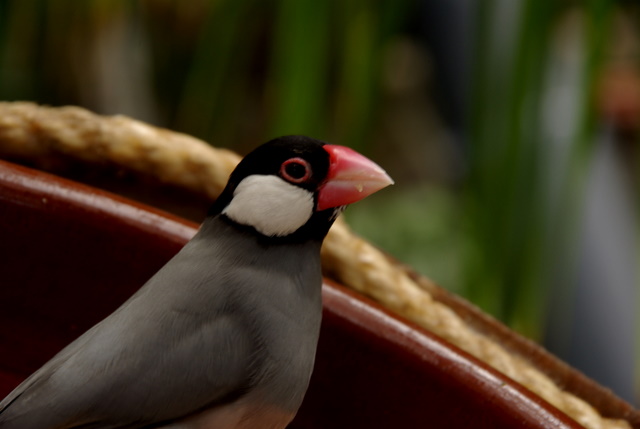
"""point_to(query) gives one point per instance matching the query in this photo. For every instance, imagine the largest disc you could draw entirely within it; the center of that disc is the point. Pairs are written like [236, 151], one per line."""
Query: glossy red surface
[70, 254]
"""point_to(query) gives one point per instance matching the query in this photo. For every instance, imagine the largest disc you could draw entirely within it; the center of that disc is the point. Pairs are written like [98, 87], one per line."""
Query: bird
[224, 335]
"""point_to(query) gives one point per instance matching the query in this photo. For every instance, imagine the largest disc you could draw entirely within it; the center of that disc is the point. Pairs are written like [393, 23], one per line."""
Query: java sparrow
[224, 335]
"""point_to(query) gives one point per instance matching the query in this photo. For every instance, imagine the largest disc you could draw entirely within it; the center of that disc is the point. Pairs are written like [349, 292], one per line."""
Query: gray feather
[229, 315]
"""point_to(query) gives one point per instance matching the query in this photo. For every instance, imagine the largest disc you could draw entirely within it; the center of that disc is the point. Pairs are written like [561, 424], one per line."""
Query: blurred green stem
[504, 198]
[299, 68]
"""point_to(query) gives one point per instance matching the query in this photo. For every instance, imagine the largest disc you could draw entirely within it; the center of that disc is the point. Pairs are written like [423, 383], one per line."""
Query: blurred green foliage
[225, 71]
[518, 231]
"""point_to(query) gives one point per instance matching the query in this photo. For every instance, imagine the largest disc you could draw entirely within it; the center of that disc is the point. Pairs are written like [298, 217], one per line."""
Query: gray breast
[277, 289]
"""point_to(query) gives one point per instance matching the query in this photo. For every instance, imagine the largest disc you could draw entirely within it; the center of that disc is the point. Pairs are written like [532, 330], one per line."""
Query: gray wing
[166, 353]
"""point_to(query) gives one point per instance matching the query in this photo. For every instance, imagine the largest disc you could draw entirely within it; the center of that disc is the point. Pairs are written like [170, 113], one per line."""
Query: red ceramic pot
[70, 254]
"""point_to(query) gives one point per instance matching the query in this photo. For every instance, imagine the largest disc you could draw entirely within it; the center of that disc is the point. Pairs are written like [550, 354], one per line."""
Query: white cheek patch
[270, 205]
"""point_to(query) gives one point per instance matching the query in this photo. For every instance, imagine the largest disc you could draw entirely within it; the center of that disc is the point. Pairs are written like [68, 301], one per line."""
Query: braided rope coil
[31, 131]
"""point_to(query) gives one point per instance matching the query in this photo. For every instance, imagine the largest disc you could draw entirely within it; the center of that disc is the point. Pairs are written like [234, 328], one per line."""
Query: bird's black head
[298, 160]
[294, 187]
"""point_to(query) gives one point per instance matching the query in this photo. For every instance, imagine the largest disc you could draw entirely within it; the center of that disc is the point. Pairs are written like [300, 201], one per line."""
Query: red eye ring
[295, 170]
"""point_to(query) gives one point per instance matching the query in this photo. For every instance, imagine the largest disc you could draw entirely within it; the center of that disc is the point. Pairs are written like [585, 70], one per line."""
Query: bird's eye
[296, 170]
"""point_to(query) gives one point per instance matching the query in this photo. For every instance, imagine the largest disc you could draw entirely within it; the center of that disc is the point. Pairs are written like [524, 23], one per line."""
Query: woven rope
[31, 131]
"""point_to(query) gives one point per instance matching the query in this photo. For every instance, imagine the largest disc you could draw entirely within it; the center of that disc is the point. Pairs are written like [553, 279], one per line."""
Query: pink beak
[351, 178]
